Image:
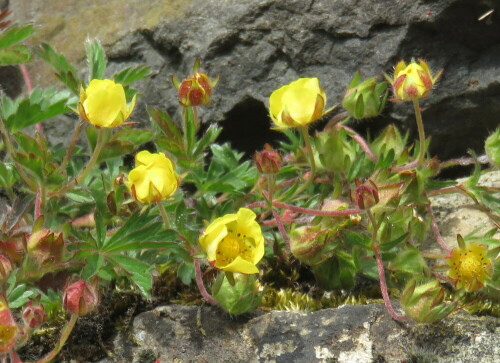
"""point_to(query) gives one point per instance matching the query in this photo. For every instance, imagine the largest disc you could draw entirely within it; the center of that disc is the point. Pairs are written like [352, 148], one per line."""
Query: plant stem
[381, 272]
[310, 154]
[201, 286]
[421, 133]
[279, 223]
[71, 146]
[314, 212]
[29, 88]
[359, 139]
[163, 213]
[436, 232]
[66, 331]
[10, 149]
[101, 139]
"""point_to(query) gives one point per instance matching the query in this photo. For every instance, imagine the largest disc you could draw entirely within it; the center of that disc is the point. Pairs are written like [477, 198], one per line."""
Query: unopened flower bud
[365, 195]
[33, 315]
[412, 81]
[268, 161]
[365, 99]
[46, 246]
[425, 303]
[195, 90]
[242, 297]
[80, 298]
[312, 244]
[8, 327]
[5, 268]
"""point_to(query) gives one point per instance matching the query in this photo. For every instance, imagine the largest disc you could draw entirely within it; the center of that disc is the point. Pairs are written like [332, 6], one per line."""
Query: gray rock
[258, 45]
[347, 334]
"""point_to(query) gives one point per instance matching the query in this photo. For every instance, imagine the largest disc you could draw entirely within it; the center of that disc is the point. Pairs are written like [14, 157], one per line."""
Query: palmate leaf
[64, 71]
[132, 74]
[137, 229]
[39, 106]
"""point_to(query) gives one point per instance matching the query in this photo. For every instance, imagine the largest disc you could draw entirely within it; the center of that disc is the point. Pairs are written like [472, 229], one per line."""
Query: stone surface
[259, 45]
[360, 334]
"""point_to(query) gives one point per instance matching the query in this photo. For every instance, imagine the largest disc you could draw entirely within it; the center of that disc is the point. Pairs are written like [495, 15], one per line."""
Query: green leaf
[132, 74]
[64, 71]
[14, 34]
[209, 138]
[93, 265]
[40, 106]
[136, 137]
[140, 272]
[96, 59]
[16, 54]
[115, 149]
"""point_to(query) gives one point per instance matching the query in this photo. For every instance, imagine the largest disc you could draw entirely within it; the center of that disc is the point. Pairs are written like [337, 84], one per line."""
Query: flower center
[470, 265]
[229, 247]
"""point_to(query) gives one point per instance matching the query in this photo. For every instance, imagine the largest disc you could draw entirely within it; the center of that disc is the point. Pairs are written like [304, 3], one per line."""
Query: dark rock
[258, 45]
[348, 334]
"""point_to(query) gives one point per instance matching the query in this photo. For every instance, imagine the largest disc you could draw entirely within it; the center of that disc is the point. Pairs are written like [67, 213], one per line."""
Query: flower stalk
[201, 286]
[381, 271]
[421, 133]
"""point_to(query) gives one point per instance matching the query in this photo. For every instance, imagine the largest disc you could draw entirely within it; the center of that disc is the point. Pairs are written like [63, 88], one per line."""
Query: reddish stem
[29, 88]
[405, 167]
[279, 223]
[313, 212]
[436, 232]
[381, 271]
[359, 139]
[201, 286]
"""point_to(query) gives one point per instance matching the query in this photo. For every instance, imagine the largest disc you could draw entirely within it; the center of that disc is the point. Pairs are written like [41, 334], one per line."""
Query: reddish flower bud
[196, 90]
[80, 298]
[365, 195]
[33, 315]
[268, 161]
[8, 327]
[46, 246]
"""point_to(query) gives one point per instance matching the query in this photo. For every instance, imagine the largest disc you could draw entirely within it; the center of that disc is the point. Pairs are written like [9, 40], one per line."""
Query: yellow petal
[240, 265]
[104, 102]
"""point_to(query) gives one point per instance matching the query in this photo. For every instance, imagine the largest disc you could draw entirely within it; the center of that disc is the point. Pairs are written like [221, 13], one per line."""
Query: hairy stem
[381, 271]
[163, 213]
[310, 155]
[71, 146]
[362, 142]
[421, 133]
[201, 286]
[101, 139]
[314, 212]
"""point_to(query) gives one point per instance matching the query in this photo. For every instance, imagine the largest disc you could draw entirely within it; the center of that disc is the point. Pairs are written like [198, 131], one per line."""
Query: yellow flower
[103, 103]
[153, 178]
[234, 242]
[297, 104]
[470, 266]
[413, 80]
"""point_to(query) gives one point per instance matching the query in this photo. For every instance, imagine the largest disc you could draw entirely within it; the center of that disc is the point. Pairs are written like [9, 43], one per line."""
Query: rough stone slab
[258, 45]
[361, 334]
